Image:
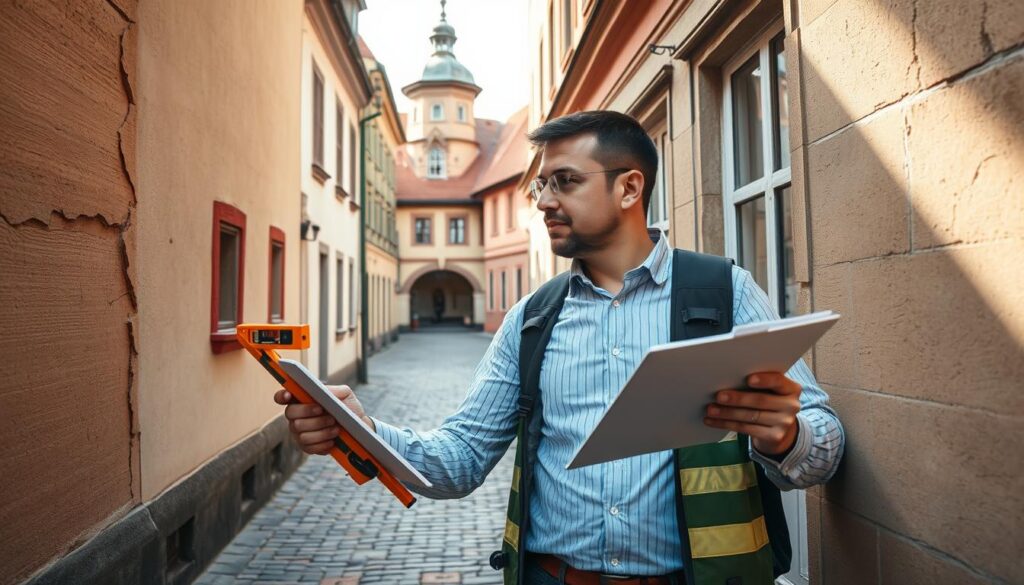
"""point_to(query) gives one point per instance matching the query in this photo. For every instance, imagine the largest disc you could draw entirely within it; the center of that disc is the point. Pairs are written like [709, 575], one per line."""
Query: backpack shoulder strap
[701, 295]
[539, 317]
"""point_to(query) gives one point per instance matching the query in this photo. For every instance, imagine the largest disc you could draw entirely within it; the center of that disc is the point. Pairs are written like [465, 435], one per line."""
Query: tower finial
[443, 2]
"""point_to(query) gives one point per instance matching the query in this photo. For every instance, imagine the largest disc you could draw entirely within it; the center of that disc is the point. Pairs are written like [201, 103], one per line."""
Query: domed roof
[442, 64]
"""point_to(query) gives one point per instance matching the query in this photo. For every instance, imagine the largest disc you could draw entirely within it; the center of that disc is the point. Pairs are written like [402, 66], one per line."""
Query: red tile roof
[510, 156]
[364, 49]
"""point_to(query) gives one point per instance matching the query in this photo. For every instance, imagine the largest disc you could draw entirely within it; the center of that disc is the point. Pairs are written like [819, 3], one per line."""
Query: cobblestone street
[322, 528]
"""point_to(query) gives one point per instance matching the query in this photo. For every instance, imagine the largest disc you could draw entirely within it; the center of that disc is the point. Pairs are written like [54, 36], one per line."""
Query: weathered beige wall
[912, 146]
[67, 255]
[218, 98]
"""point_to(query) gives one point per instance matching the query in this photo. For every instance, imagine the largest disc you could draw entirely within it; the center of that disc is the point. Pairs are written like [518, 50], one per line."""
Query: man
[619, 518]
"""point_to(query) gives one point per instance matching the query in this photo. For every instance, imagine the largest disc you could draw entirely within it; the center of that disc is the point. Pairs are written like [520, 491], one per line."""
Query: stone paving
[322, 528]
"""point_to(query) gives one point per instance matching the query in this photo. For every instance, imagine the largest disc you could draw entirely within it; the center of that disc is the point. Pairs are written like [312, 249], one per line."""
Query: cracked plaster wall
[67, 255]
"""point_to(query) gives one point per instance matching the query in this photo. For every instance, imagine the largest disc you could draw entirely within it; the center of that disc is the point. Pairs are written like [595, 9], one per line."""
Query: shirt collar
[656, 265]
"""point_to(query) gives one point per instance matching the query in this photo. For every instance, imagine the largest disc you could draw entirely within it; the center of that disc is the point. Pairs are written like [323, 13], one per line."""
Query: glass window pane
[339, 267]
[780, 87]
[753, 240]
[657, 210]
[276, 281]
[746, 122]
[788, 287]
[227, 304]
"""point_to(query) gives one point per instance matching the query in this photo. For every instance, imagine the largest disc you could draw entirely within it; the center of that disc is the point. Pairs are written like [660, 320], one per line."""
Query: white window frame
[661, 143]
[436, 112]
[794, 502]
[442, 162]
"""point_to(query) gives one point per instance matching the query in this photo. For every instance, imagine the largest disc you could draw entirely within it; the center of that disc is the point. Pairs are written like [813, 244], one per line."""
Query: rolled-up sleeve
[458, 455]
[820, 440]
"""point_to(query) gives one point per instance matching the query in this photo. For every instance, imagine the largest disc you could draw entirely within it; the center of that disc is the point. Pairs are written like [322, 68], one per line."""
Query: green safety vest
[732, 525]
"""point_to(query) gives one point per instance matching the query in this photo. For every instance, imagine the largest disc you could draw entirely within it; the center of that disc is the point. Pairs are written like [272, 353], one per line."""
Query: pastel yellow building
[384, 136]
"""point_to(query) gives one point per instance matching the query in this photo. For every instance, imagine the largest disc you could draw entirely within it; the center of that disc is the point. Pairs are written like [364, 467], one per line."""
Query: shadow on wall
[917, 234]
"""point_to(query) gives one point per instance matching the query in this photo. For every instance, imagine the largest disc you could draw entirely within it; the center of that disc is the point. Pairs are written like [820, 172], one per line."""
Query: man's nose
[547, 200]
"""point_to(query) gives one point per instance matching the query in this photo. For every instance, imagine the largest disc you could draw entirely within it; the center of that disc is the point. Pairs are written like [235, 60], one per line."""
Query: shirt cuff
[797, 453]
[391, 435]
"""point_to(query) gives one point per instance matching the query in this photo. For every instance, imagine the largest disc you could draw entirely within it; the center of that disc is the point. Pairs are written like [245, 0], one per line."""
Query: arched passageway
[441, 298]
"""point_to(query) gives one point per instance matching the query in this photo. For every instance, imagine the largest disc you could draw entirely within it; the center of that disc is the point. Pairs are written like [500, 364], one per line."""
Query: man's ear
[632, 189]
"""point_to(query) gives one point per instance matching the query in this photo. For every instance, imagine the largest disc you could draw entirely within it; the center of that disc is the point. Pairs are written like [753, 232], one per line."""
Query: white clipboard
[384, 453]
[662, 405]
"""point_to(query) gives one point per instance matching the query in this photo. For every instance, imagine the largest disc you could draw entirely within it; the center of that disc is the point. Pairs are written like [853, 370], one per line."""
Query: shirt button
[614, 511]
[616, 303]
[615, 562]
[615, 351]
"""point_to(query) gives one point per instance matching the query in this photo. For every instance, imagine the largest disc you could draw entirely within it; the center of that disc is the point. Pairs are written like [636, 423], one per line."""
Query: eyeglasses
[563, 182]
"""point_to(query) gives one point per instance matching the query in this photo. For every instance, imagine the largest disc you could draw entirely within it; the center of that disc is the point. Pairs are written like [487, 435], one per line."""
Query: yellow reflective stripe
[515, 478]
[728, 539]
[512, 534]
[719, 478]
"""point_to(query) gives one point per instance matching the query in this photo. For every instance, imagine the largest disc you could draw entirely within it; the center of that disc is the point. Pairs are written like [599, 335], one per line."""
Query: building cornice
[339, 42]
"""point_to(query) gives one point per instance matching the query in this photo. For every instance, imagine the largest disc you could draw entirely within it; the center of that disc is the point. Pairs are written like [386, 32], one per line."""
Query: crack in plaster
[986, 40]
[123, 244]
[916, 61]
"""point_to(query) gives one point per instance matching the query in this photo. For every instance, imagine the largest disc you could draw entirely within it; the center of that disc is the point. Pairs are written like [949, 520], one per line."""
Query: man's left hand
[768, 416]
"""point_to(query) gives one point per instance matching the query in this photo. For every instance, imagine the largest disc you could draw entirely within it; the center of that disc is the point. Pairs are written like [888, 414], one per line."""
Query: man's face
[582, 216]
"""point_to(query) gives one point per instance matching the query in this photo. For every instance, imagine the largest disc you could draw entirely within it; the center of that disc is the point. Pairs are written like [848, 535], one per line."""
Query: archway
[441, 298]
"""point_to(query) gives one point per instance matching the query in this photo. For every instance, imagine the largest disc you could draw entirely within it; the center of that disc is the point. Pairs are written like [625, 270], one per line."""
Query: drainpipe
[364, 315]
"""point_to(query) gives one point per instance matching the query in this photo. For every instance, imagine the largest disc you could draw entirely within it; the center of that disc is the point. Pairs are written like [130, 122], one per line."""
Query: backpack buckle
[709, 314]
[525, 405]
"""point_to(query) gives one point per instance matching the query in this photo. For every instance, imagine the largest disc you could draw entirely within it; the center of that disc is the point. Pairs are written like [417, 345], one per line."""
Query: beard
[576, 245]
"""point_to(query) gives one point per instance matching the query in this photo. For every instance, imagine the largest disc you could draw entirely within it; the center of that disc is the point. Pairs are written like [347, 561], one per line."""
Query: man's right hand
[313, 429]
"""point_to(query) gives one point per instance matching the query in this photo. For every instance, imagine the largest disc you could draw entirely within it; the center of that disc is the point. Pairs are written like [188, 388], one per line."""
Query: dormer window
[462, 113]
[436, 167]
[437, 112]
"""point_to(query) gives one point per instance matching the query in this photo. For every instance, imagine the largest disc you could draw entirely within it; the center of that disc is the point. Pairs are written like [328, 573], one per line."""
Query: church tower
[441, 129]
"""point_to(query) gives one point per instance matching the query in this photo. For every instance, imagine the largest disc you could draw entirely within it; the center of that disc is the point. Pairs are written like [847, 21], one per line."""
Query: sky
[491, 44]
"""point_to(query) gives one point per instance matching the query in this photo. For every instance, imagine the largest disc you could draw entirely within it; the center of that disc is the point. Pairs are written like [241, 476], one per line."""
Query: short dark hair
[621, 142]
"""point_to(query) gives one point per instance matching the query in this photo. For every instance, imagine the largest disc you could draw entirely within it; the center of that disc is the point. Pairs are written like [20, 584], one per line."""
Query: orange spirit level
[262, 341]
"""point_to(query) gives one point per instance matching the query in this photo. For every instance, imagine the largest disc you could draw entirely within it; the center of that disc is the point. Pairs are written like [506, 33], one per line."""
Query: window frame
[352, 291]
[352, 161]
[339, 293]
[339, 146]
[773, 181]
[504, 290]
[437, 112]
[442, 161]
[465, 229]
[319, 89]
[224, 340]
[430, 230]
[769, 186]
[277, 239]
[460, 113]
[490, 289]
[510, 211]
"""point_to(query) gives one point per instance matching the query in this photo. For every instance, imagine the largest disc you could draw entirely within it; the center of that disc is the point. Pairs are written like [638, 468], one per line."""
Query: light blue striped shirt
[617, 517]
